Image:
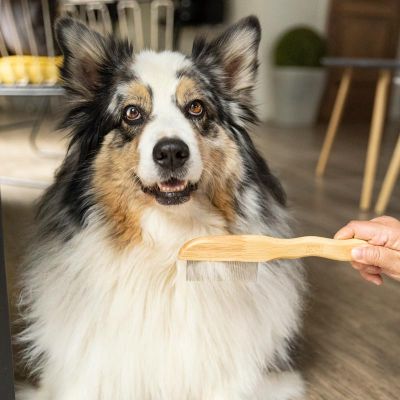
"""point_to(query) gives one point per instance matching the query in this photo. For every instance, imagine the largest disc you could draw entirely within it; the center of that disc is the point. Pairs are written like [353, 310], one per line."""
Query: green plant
[301, 47]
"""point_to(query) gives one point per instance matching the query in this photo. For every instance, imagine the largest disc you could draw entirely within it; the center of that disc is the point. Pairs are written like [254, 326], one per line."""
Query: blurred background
[328, 96]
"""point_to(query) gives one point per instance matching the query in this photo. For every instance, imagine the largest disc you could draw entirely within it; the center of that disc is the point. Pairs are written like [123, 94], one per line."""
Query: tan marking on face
[138, 94]
[187, 90]
[221, 171]
[119, 195]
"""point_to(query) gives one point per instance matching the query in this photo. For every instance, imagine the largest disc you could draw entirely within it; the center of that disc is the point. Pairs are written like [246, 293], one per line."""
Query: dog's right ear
[232, 57]
[84, 53]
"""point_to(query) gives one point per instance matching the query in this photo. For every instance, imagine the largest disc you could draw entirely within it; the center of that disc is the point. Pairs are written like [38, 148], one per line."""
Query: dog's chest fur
[129, 325]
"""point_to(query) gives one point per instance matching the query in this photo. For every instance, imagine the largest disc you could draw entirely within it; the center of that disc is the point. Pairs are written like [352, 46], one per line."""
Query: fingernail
[357, 254]
[376, 279]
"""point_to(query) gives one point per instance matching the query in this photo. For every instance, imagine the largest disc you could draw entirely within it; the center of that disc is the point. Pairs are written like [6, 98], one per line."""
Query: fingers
[369, 272]
[372, 231]
[375, 279]
[387, 221]
[344, 233]
[387, 259]
[382, 255]
[366, 230]
[372, 269]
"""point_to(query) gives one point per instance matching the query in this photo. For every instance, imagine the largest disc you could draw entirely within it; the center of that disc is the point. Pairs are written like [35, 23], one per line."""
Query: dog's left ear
[236, 52]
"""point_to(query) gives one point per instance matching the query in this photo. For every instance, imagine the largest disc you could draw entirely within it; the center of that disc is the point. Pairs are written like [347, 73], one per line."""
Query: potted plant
[298, 76]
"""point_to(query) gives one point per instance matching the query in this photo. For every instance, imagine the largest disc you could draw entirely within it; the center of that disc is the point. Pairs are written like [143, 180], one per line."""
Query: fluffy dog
[159, 154]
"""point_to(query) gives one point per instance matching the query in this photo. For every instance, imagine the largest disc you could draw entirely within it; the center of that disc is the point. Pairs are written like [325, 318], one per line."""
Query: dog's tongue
[172, 185]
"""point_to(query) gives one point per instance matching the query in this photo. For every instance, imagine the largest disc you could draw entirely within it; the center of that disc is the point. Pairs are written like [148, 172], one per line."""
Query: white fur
[285, 385]
[128, 326]
[159, 72]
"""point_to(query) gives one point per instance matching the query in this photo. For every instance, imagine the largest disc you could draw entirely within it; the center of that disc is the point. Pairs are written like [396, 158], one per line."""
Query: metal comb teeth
[218, 271]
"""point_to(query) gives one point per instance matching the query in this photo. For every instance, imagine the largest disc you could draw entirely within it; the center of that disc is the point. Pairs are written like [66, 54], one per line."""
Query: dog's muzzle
[171, 156]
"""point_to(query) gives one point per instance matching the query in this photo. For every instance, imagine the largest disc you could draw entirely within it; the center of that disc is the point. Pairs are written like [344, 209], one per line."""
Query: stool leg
[390, 180]
[375, 136]
[334, 121]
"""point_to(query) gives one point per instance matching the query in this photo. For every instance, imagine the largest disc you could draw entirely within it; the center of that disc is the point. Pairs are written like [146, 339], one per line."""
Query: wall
[275, 17]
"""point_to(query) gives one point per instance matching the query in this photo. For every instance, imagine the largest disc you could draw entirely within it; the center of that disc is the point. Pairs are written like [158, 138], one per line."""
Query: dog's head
[160, 128]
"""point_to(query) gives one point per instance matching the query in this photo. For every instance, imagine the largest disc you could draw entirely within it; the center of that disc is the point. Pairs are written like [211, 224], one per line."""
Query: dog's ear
[236, 52]
[84, 53]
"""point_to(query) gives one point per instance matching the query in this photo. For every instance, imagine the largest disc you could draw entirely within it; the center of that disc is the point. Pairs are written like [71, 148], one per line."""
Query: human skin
[381, 256]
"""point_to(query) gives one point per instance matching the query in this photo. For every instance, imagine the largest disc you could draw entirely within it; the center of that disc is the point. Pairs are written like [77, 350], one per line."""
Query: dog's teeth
[167, 188]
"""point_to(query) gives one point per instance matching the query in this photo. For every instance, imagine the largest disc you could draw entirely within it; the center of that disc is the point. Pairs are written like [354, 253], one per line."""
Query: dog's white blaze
[159, 72]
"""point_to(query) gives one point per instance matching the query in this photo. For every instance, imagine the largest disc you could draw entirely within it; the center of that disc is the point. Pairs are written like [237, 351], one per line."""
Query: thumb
[378, 256]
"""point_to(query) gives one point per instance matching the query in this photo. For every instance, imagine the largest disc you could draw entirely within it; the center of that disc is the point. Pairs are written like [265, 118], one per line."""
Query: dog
[159, 154]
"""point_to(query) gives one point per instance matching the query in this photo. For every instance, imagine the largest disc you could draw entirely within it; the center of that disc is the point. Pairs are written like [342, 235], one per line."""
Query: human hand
[382, 254]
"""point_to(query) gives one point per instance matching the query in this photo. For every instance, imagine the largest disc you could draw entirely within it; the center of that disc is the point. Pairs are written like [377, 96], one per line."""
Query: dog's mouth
[171, 192]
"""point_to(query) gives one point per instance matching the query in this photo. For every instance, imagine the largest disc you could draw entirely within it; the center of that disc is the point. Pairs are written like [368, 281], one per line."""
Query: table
[386, 68]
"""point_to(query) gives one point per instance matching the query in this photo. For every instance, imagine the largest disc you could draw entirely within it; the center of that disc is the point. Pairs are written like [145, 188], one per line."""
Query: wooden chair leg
[378, 119]
[389, 181]
[334, 121]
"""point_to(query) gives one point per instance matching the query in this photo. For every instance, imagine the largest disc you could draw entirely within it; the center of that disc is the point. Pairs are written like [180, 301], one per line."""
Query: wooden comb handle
[312, 246]
[258, 248]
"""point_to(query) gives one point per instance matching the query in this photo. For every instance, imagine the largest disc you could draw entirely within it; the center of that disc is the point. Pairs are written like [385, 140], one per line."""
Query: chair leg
[389, 182]
[378, 119]
[334, 121]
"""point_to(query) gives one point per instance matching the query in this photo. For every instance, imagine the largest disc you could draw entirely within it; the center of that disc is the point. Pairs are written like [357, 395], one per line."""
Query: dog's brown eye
[196, 108]
[132, 114]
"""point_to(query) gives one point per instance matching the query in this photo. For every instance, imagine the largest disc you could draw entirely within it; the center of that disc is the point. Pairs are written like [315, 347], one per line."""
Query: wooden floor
[352, 328]
[351, 346]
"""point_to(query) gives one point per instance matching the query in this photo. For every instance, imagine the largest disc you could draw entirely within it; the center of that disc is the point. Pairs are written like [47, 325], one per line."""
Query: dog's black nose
[171, 153]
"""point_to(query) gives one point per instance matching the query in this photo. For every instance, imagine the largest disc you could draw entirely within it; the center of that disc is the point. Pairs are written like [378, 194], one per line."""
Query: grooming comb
[236, 257]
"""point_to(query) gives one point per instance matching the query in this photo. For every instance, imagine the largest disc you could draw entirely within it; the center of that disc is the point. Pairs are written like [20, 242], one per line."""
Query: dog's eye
[132, 114]
[196, 108]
